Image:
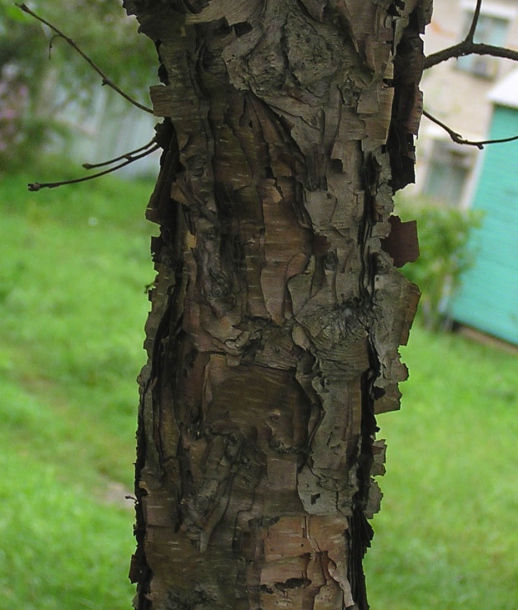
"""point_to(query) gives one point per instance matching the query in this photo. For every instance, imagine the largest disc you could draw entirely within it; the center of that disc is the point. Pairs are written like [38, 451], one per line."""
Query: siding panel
[488, 299]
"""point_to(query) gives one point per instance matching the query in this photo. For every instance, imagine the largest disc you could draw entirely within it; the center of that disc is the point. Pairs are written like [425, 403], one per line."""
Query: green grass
[446, 536]
[74, 264]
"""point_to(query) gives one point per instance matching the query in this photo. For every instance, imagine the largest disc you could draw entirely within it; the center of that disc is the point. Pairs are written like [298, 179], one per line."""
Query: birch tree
[278, 309]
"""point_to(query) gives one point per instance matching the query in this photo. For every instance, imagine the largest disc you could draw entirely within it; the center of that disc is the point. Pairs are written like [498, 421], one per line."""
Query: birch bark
[278, 309]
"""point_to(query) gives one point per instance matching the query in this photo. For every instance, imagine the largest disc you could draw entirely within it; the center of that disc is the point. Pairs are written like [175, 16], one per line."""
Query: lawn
[446, 536]
[75, 264]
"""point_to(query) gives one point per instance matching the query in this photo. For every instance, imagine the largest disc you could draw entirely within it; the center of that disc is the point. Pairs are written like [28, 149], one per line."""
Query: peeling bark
[278, 310]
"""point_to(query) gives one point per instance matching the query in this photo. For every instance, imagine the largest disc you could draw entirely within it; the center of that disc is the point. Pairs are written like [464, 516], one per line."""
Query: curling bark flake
[277, 314]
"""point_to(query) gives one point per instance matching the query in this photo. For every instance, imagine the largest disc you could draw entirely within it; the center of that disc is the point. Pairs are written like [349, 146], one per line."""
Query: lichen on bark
[276, 314]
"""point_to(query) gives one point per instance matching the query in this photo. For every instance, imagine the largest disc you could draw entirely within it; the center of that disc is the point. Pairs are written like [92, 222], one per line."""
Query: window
[492, 27]
[449, 168]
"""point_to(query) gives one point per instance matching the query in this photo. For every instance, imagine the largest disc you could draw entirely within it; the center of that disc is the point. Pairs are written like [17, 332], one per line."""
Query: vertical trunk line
[360, 531]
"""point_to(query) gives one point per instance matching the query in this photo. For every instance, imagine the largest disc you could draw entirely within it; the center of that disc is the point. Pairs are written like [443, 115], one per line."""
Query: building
[457, 93]
[488, 299]
[477, 97]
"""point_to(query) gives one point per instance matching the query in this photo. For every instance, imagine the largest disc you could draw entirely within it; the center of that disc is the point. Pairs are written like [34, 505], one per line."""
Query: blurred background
[74, 268]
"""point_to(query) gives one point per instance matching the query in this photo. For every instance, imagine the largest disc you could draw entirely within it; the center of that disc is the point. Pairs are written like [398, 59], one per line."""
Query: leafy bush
[446, 254]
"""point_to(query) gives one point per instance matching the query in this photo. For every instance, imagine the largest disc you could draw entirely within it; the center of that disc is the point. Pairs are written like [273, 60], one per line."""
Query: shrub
[446, 254]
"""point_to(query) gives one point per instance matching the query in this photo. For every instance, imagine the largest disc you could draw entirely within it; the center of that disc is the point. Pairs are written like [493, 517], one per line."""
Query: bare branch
[470, 35]
[37, 186]
[105, 79]
[128, 156]
[458, 139]
[468, 48]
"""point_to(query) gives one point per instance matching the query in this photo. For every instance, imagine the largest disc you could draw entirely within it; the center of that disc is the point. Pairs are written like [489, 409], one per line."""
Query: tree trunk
[277, 310]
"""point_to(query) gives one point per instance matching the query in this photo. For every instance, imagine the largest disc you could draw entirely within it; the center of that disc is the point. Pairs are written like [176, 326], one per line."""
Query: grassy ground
[72, 308]
[74, 267]
[446, 536]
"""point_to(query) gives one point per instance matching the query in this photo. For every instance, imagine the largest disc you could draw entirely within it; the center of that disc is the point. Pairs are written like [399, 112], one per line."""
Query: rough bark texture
[278, 310]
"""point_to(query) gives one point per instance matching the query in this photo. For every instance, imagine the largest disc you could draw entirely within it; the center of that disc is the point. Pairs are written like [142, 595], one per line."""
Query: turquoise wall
[488, 299]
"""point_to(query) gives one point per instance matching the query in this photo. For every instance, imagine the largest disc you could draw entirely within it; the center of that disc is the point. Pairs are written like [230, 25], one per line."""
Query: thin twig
[457, 138]
[468, 48]
[36, 186]
[470, 35]
[105, 80]
[128, 156]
